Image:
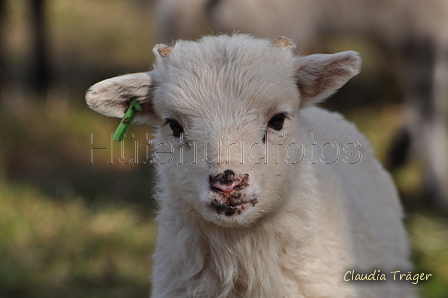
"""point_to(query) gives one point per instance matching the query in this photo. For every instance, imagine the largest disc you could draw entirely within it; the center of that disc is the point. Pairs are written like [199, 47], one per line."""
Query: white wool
[322, 204]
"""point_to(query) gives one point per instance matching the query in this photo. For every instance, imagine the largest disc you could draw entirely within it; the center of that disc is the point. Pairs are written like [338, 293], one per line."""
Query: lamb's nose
[225, 182]
[226, 187]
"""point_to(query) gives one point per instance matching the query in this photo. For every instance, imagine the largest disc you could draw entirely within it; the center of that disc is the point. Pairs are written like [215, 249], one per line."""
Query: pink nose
[226, 187]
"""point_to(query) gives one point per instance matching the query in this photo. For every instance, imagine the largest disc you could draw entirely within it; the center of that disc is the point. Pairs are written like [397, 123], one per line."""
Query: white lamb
[261, 195]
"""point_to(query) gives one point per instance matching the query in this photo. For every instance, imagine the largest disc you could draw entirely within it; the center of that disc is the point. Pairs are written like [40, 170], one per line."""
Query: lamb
[260, 193]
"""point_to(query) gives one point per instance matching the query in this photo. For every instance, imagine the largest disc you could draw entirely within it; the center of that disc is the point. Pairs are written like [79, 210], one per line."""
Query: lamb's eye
[277, 121]
[175, 127]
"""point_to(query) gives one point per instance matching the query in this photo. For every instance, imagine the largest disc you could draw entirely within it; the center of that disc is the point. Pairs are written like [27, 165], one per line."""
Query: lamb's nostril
[224, 178]
[229, 175]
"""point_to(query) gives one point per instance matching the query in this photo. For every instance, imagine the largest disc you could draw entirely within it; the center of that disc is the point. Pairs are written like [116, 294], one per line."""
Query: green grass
[69, 228]
[429, 241]
[64, 248]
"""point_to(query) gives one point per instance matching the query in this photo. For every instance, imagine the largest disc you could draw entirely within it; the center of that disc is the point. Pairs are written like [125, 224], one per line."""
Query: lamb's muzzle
[230, 196]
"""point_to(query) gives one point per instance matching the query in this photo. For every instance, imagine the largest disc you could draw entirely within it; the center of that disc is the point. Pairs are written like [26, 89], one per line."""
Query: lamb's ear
[321, 75]
[111, 97]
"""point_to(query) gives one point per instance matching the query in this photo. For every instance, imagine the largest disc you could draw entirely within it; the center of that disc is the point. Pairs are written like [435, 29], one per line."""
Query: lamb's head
[225, 109]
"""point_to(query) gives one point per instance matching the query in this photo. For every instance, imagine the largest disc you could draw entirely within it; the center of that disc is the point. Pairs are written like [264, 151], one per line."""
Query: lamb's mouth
[230, 208]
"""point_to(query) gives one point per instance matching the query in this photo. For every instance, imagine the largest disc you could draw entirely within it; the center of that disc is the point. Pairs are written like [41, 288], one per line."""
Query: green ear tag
[133, 109]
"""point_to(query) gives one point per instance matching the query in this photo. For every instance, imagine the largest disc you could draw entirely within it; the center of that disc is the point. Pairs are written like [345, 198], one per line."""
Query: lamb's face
[226, 109]
[225, 114]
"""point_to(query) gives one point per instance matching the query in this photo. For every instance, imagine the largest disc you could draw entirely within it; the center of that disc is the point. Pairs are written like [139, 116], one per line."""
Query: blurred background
[76, 209]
